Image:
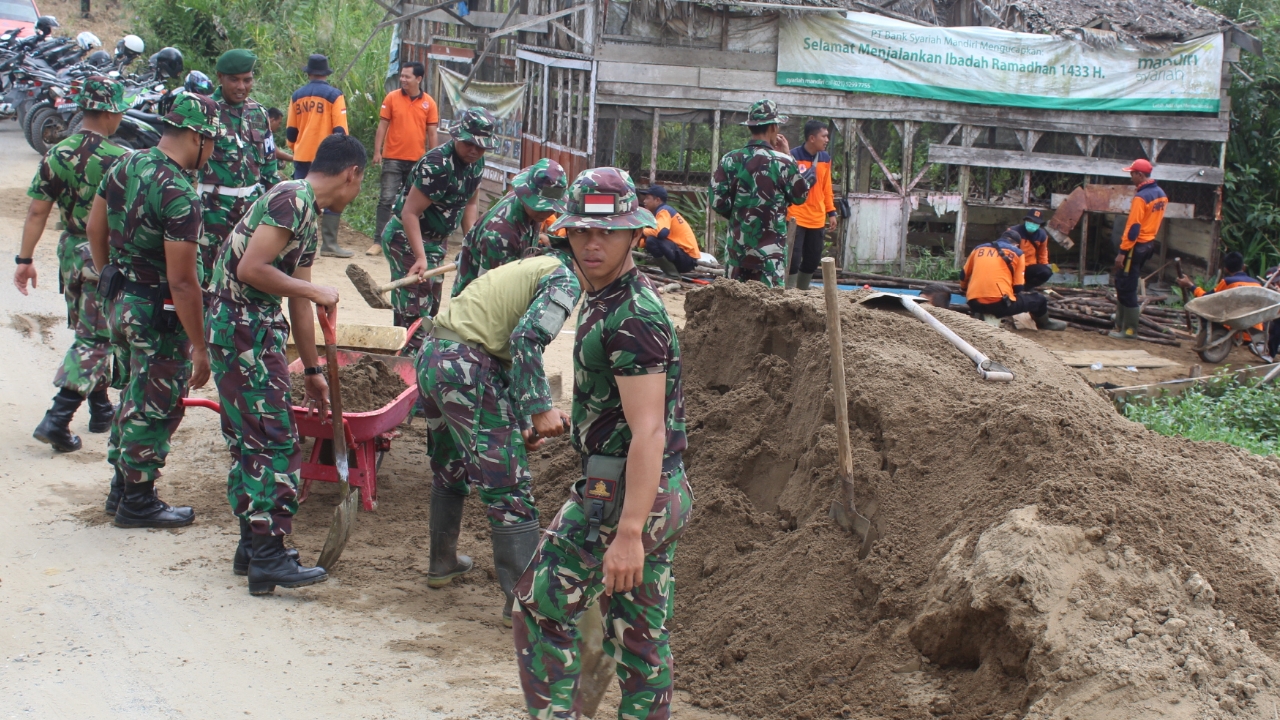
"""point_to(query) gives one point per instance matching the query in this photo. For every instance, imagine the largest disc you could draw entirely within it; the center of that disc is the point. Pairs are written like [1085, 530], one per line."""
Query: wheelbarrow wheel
[1210, 333]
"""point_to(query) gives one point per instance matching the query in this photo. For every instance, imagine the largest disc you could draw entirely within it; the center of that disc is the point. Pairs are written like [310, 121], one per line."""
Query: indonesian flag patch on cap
[599, 204]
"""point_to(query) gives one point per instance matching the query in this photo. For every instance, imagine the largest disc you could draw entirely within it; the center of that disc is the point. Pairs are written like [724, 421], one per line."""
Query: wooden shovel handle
[837, 367]
[415, 279]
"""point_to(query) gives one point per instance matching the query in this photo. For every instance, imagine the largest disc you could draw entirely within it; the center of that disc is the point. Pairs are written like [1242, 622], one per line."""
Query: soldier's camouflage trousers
[473, 437]
[221, 213]
[766, 264]
[151, 371]
[566, 577]
[87, 364]
[252, 376]
[415, 301]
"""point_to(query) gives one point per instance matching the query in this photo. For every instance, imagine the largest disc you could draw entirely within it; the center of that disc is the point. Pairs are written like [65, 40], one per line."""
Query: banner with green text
[862, 52]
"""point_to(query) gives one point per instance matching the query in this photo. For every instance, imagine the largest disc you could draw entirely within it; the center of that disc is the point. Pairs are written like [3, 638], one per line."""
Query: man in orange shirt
[406, 130]
[1034, 243]
[994, 281]
[1145, 215]
[818, 213]
[316, 111]
[672, 243]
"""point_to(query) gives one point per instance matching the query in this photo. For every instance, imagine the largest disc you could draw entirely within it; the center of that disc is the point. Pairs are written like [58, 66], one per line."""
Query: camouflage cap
[764, 112]
[604, 198]
[102, 94]
[476, 125]
[541, 186]
[198, 113]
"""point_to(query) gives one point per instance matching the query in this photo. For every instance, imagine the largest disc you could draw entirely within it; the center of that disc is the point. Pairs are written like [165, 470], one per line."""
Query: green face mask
[1031, 227]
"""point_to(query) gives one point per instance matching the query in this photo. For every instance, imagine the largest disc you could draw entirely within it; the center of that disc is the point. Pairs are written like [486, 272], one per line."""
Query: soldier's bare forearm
[96, 228]
[644, 407]
[37, 218]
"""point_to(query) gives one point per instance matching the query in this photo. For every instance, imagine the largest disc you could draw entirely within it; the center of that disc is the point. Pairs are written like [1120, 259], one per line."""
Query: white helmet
[134, 44]
[87, 40]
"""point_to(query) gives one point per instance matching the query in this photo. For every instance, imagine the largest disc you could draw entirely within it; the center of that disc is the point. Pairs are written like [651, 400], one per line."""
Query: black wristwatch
[21, 260]
[317, 370]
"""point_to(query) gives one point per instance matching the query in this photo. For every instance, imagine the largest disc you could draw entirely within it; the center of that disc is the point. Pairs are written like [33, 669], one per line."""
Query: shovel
[844, 513]
[372, 292]
[987, 368]
[344, 516]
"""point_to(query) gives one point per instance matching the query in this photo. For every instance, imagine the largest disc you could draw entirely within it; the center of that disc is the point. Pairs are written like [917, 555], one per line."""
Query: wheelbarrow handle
[202, 402]
[328, 323]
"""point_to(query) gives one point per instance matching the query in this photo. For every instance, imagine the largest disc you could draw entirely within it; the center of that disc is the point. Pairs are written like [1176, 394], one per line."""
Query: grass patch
[1243, 414]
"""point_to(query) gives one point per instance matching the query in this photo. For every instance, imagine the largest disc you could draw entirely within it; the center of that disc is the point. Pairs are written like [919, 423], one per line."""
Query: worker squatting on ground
[407, 123]
[68, 177]
[511, 226]
[1146, 211]
[243, 165]
[275, 120]
[616, 535]
[1034, 243]
[817, 214]
[1233, 264]
[144, 231]
[672, 243]
[482, 380]
[265, 259]
[316, 111]
[441, 192]
[993, 282]
[752, 188]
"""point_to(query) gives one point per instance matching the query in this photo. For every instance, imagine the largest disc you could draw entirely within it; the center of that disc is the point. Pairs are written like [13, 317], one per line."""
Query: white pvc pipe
[982, 361]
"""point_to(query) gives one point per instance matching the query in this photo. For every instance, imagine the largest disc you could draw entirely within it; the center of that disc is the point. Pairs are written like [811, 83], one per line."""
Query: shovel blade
[344, 520]
[848, 518]
[367, 287]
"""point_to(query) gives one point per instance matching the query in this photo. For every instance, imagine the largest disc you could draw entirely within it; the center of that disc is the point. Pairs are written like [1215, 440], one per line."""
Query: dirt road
[106, 623]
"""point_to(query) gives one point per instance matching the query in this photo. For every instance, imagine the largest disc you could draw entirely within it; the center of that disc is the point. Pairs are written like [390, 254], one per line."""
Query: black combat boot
[513, 549]
[244, 550]
[101, 411]
[446, 524]
[270, 565]
[54, 429]
[141, 508]
[113, 496]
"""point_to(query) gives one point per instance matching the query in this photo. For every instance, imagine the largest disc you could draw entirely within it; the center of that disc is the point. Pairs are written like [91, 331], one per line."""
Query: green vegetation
[283, 33]
[1246, 415]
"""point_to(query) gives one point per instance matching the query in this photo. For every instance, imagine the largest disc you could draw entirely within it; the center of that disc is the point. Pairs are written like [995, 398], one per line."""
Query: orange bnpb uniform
[678, 231]
[992, 272]
[1146, 212]
[316, 111]
[813, 213]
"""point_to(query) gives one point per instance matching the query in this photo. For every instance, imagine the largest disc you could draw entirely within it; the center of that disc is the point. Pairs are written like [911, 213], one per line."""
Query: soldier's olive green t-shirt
[487, 312]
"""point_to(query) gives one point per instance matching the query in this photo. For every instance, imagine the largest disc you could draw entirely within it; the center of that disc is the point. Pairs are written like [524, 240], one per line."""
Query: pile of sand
[1041, 555]
[368, 384]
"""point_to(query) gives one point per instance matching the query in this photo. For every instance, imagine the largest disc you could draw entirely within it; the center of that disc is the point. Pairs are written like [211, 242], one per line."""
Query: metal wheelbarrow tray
[369, 434]
[1238, 308]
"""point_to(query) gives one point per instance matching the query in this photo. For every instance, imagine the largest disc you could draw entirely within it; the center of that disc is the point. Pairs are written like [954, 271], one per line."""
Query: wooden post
[653, 150]
[1026, 187]
[1084, 239]
[908, 157]
[962, 214]
[850, 178]
[715, 163]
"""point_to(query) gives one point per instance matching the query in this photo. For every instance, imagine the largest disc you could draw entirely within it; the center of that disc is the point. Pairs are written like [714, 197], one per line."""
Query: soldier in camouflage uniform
[615, 538]
[244, 162]
[268, 257]
[481, 379]
[752, 188]
[68, 177]
[440, 193]
[144, 232]
[511, 226]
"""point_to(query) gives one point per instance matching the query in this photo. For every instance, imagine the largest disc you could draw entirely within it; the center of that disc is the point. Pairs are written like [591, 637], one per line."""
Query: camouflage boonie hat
[603, 198]
[196, 112]
[477, 126]
[102, 94]
[541, 186]
[764, 112]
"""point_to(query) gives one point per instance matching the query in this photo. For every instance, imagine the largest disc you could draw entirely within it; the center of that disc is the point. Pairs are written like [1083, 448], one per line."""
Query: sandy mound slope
[1041, 557]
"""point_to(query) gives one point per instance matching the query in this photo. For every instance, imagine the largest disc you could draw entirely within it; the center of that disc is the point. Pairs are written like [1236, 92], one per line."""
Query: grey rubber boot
[513, 549]
[329, 246]
[803, 280]
[1044, 322]
[791, 281]
[446, 524]
[668, 268]
[1128, 326]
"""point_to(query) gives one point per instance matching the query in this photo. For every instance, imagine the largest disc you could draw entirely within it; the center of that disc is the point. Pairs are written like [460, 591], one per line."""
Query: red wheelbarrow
[369, 434]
